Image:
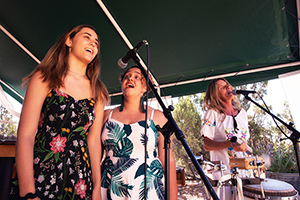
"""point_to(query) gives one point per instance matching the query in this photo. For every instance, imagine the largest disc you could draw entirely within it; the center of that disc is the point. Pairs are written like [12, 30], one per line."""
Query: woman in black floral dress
[65, 101]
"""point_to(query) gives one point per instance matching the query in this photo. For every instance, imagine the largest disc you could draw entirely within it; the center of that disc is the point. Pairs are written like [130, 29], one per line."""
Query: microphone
[243, 92]
[237, 141]
[123, 62]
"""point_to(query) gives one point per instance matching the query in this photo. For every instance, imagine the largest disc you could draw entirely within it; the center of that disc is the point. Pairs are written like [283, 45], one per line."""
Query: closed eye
[88, 36]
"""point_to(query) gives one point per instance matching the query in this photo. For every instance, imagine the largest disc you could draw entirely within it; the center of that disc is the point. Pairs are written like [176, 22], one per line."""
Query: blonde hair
[54, 66]
[212, 100]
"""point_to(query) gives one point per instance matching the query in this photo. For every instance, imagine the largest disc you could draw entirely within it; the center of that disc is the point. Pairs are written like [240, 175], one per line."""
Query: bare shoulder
[159, 117]
[37, 86]
[37, 77]
[105, 115]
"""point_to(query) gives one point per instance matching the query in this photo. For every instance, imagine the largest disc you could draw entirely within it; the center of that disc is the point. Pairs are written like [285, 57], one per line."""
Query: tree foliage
[283, 158]
[266, 137]
[189, 122]
[258, 120]
[6, 129]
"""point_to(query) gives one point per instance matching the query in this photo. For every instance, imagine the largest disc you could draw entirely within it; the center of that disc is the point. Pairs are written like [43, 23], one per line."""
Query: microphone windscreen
[234, 92]
[233, 139]
[121, 64]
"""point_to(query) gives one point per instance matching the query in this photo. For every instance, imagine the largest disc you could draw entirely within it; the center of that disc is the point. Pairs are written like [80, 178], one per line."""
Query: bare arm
[160, 119]
[211, 145]
[31, 110]
[95, 149]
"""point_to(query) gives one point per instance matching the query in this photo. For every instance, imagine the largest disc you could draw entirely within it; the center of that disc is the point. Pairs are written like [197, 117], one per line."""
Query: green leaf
[61, 98]
[78, 129]
[56, 156]
[49, 155]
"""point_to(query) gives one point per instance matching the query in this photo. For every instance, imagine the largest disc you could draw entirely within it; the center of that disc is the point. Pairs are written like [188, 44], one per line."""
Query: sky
[275, 96]
[290, 82]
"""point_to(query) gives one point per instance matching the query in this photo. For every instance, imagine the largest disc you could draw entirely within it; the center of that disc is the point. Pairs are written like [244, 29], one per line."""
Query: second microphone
[237, 141]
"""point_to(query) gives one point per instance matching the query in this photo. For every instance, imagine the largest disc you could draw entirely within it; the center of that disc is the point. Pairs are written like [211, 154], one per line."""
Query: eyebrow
[91, 36]
[134, 72]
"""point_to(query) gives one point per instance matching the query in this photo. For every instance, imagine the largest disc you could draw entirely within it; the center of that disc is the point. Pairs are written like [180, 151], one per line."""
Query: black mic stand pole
[294, 136]
[167, 130]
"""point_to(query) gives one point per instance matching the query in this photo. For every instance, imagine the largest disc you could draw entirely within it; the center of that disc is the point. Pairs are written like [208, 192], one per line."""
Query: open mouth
[129, 85]
[89, 50]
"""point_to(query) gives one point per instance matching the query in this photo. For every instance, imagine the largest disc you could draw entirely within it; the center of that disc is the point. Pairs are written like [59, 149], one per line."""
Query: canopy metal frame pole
[121, 33]
[294, 137]
[167, 130]
[274, 67]
[245, 72]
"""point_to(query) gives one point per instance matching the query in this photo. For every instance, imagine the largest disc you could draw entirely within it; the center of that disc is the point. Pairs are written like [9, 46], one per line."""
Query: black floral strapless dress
[61, 157]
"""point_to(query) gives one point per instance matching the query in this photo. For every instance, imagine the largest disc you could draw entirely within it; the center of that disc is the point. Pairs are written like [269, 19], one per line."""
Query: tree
[259, 87]
[189, 122]
[259, 126]
[265, 137]
[6, 129]
[283, 158]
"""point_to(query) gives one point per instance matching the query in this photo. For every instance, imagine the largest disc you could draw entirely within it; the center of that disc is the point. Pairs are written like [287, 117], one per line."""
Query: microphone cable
[146, 117]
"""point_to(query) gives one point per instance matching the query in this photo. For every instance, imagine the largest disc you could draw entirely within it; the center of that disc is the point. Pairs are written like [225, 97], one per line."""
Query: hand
[242, 147]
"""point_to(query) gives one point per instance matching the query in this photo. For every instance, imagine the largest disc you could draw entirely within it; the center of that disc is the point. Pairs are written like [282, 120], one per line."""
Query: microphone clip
[123, 62]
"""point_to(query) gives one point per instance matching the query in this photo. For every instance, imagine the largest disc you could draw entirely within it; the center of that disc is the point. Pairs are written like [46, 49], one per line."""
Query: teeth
[129, 85]
[89, 50]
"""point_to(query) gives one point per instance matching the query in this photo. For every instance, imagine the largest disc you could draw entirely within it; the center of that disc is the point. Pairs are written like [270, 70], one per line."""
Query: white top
[216, 129]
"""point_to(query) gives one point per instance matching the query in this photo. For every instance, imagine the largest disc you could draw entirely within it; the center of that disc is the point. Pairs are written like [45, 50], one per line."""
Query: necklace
[77, 73]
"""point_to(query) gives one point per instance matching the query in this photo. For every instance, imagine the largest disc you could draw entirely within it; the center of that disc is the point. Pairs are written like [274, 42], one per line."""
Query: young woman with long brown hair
[58, 144]
[123, 139]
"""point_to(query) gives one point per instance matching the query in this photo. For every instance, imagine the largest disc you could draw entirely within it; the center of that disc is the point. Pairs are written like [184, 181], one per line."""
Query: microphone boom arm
[294, 137]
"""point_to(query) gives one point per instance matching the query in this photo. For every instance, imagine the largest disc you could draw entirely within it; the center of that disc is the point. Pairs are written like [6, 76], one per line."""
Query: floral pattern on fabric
[123, 166]
[208, 123]
[218, 128]
[61, 158]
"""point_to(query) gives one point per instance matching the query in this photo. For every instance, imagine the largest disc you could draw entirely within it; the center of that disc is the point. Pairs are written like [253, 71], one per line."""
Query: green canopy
[190, 42]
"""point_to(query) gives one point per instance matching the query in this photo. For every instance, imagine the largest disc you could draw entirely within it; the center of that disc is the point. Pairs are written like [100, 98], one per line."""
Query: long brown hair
[212, 100]
[54, 66]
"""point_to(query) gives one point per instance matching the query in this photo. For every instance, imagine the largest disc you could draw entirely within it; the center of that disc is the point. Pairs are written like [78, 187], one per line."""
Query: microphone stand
[294, 137]
[167, 130]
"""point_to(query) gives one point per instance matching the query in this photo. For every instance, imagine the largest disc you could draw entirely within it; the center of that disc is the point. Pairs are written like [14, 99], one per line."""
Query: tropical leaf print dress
[61, 158]
[123, 166]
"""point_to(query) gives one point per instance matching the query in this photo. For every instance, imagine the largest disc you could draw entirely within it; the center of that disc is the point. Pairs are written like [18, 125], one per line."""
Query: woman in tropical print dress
[223, 119]
[57, 150]
[123, 140]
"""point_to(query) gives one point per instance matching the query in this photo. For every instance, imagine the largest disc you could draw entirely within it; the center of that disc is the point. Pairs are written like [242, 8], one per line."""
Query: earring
[142, 103]
[122, 104]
